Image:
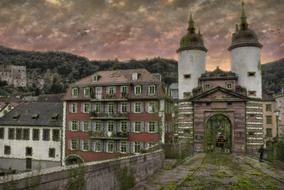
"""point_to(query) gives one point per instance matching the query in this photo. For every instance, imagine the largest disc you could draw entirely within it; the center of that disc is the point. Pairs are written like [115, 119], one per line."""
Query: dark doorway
[28, 163]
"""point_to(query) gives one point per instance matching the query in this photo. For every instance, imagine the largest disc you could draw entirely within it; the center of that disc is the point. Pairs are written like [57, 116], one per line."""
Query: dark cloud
[125, 29]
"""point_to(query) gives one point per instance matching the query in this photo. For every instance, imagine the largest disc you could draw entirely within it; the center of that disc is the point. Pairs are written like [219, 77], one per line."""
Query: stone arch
[218, 131]
[73, 159]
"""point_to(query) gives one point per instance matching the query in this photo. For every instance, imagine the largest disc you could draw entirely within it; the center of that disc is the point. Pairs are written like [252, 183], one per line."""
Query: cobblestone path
[217, 171]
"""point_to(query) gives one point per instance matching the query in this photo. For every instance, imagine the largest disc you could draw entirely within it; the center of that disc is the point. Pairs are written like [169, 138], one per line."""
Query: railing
[109, 97]
[108, 135]
[106, 115]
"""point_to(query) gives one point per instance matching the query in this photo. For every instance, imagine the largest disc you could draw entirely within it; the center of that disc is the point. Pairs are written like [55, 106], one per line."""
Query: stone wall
[185, 121]
[106, 175]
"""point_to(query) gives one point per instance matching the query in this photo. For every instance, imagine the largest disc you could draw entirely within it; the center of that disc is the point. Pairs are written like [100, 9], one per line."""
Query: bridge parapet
[108, 174]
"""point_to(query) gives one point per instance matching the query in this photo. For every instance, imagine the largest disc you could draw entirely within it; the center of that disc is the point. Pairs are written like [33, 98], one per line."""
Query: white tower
[191, 60]
[245, 58]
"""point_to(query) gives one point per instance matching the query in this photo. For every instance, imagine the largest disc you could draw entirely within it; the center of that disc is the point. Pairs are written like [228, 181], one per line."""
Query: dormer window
[135, 76]
[16, 116]
[87, 91]
[96, 77]
[251, 74]
[35, 116]
[187, 76]
[55, 116]
[75, 91]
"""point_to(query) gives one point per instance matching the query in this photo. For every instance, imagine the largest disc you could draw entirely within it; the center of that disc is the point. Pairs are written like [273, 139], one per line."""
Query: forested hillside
[51, 72]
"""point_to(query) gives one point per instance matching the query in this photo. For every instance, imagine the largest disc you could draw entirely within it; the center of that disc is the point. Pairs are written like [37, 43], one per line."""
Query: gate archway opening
[218, 134]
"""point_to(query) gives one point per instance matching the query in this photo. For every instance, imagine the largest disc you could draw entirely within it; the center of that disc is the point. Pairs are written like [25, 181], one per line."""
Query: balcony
[112, 97]
[104, 115]
[109, 135]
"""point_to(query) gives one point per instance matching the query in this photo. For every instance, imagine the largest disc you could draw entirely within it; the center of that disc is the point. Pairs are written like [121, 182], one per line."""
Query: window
[138, 90]
[98, 126]
[110, 108]
[74, 125]
[152, 126]
[85, 125]
[152, 90]
[111, 90]
[2, 133]
[55, 135]
[85, 145]
[124, 90]
[11, 133]
[110, 146]
[123, 147]
[186, 76]
[29, 151]
[7, 150]
[98, 146]
[137, 126]
[268, 119]
[251, 133]
[98, 93]
[152, 107]
[229, 85]
[86, 107]
[96, 77]
[268, 107]
[135, 76]
[137, 107]
[87, 92]
[252, 93]
[35, 134]
[74, 144]
[207, 86]
[26, 134]
[73, 108]
[75, 92]
[124, 107]
[123, 126]
[97, 107]
[110, 126]
[19, 134]
[251, 74]
[45, 134]
[51, 153]
[137, 147]
[268, 132]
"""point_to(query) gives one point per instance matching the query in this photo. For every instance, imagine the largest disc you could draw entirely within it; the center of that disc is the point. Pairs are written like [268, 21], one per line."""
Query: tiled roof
[49, 114]
[117, 77]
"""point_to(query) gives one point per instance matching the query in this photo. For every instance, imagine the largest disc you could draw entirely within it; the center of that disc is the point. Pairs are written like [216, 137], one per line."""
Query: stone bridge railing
[121, 173]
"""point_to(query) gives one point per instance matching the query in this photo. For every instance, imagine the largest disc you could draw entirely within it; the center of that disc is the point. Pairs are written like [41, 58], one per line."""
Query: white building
[14, 75]
[31, 136]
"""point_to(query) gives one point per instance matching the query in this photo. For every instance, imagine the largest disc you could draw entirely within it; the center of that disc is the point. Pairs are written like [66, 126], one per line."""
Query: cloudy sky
[125, 29]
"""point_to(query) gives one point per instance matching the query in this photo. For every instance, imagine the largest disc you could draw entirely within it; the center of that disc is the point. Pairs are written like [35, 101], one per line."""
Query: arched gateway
[218, 134]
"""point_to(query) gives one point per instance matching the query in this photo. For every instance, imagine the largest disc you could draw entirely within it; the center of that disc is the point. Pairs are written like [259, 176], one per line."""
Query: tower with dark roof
[245, 57]
[191, 60]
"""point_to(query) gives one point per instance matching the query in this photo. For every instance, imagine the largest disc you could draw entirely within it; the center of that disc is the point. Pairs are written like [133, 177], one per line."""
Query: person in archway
[221, 142]
[261, 153]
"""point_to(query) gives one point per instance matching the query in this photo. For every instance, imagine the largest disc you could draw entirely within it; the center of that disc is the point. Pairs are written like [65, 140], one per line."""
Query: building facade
[14, 75]
[31, 136]
[220, 106]
[115, 113]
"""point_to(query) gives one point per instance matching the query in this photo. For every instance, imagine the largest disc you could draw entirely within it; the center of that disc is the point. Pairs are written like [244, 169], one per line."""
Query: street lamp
[276, 113]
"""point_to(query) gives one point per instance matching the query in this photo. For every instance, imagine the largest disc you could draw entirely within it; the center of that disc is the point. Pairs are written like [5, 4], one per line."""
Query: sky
[137, 29]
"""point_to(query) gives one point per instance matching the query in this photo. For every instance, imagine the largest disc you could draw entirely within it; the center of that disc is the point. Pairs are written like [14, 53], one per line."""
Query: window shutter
[146, 126]
[81, 144]
[70, 145]
[81, 125]
[70, 125]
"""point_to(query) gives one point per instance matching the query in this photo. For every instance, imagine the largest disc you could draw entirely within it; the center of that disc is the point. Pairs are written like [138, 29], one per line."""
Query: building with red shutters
[115, 113]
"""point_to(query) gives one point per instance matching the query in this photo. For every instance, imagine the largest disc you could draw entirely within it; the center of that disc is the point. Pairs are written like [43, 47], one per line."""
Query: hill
[51, 72]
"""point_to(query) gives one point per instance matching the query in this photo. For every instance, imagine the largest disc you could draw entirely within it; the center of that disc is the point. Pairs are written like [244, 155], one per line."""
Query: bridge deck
[217, 171]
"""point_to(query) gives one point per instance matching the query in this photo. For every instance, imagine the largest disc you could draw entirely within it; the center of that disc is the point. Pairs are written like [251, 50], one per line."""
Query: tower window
[207, 86]
[229, 85]
[252, 93]
[187, 76]
[251, 74]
